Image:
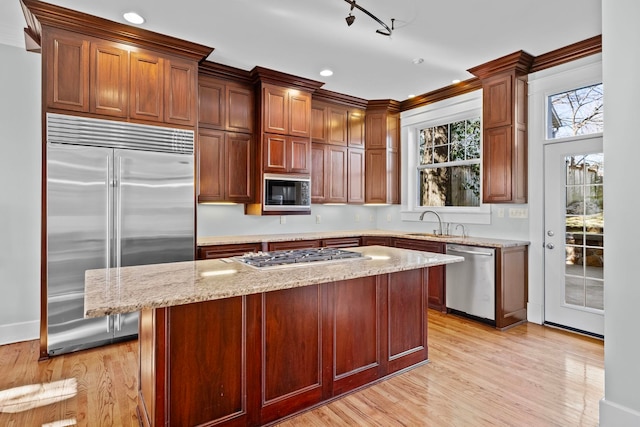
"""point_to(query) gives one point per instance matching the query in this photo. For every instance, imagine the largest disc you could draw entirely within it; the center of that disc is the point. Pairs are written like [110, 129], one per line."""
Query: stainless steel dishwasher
[471, 283]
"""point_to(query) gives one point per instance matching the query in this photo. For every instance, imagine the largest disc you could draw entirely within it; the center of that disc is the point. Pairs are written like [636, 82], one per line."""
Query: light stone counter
[128, 289]
[265, 238]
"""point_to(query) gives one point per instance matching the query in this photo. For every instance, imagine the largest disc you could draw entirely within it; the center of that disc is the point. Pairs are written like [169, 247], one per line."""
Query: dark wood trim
[569, 53]
[225, 72]
[441, 94]
[390, 105]
[339, 98]
[38, 14]
[266, 75]
[519, 61]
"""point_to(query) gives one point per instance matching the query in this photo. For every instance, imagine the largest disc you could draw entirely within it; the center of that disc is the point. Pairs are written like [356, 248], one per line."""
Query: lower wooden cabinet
[341, 242]
[224, 251]
[254, 359]
[293, 244]
[512, 290]
[437, 275]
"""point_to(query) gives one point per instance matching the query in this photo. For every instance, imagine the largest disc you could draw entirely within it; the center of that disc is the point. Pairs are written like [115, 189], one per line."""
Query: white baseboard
[535, 313]
[614, 415]
[17, 332]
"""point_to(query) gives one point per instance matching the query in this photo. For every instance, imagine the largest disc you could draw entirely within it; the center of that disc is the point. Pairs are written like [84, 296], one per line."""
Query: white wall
[621, 61]
[20, 156]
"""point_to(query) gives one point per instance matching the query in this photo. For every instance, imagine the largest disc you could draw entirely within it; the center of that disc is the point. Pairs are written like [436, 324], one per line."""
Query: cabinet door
[211, 166]
[239, 106]
[318, 173]
[338, 124]
[274, 153]
[497, 103]
[109, 79]
[497, 161]
[299, 155]
[356, 128]
[375, 240]
[355, 171]
[293, 244]
[336, 174]
[299, 114]
[211, 99]
[180, 92]
[66, 65]
[341, 242]
[376, 131]
[376, 176]
[238, 167]
[146, 100]
[275, 110]
[319, 123]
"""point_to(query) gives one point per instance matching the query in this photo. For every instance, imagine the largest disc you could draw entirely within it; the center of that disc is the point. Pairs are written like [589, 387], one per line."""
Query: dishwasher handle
[466, 251]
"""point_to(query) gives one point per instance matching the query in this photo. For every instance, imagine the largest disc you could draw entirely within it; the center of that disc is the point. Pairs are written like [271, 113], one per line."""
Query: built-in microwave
[286, 192]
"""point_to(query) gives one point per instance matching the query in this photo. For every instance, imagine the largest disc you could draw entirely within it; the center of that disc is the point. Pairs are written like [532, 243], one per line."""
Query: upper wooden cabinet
[504, 126]
[91, 75]
[286, 154]
[225, 166]
[356, 128]
[286, 111]
[336, 124]
[382, 155]
[225, 105]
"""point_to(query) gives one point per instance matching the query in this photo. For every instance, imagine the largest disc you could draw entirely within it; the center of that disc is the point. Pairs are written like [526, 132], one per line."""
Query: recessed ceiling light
[326, 73]
[411, 96]
[418, 61]
[133, 18]
[455, 81]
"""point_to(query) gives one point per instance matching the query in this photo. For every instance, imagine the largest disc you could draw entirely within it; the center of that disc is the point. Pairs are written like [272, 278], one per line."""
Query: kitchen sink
[430, 235]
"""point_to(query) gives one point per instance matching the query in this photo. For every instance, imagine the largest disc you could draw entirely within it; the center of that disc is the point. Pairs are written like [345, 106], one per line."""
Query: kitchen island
[223, 343]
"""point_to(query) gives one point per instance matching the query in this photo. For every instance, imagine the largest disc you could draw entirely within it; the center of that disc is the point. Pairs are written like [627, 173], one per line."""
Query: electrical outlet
[357, 218]
[518, 213]
[318, 219]
[388, 217]
[500, 212]
[283, 219]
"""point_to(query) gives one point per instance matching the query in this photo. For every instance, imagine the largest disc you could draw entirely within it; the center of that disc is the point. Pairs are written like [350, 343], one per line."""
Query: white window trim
[445, 111]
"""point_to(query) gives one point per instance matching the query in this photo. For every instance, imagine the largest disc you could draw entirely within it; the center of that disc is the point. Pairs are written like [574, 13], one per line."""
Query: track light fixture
[350, 19]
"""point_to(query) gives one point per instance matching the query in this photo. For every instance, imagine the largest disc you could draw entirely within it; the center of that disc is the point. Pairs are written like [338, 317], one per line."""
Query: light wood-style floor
[529, 376]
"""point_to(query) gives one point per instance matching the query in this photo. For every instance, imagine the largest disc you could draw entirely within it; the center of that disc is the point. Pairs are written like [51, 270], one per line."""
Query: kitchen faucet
[464, 230]
[437, 216]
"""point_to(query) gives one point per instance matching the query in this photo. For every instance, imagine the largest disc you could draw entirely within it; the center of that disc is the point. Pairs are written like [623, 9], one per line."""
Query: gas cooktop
[296, 257]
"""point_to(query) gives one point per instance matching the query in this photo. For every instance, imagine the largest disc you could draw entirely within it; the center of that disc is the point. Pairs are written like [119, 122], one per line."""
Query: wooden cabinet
[284, 351]
[224, 251]
[286, 111]
[90, 75]
[341, 242]
[225, 105]
[511, 285]
[337, 171]
[293, 244]
[376, 241]
[504, 125]
[436, 275]
[225, 166]
[382, 156]
[286, 154]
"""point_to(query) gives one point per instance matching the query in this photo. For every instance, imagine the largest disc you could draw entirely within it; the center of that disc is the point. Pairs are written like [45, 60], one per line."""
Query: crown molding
[39, 14]
[339, 98]
[442, 93]
[226, 72]
[518, 62]
[568, 53]
[266, 75]
[391, 105]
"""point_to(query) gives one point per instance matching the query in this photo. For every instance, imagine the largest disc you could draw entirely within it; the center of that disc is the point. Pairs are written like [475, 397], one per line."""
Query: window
[575, 112]
[449, 164]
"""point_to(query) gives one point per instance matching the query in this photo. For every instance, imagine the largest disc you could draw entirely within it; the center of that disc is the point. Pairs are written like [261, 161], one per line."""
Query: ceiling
[302, 37]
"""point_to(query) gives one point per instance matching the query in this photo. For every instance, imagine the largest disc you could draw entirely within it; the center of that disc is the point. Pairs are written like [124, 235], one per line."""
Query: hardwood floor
[529, 375]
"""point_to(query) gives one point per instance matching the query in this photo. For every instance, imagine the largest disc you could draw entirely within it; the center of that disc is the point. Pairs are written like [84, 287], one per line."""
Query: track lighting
[350, 19]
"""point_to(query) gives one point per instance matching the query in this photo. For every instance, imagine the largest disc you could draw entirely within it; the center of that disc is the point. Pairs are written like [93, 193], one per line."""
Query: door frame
[582, 72]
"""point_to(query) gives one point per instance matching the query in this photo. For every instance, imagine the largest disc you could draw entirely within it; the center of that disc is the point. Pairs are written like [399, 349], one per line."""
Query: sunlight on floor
[32, 396]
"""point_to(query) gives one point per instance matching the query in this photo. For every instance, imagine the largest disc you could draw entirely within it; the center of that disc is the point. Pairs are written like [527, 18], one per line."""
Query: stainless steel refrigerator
[118, 194]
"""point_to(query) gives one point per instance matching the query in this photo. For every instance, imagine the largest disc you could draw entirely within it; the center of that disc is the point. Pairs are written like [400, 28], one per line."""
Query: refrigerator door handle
[118, 211]
[109, 227]
[108, 319]
[117, 323]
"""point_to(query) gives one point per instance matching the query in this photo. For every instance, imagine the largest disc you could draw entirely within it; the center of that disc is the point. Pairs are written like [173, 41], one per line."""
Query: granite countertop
[264, 238]
[128, 289]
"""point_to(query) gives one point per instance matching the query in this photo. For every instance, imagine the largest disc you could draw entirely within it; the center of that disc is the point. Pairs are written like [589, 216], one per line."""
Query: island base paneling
[252, 360]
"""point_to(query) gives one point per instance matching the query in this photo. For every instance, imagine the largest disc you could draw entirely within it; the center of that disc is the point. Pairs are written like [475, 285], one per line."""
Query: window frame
[449, 110]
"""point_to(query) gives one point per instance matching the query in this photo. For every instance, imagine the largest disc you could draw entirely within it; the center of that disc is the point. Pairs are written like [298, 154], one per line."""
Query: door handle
[550, 246]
